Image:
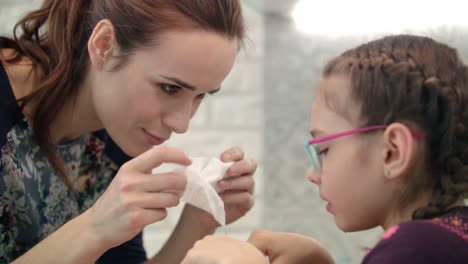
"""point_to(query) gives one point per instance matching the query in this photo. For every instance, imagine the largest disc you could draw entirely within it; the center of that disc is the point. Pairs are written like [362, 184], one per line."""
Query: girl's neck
[406, 214]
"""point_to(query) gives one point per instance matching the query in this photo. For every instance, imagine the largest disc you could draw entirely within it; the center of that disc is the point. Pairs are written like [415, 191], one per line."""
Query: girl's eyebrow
[316, 132]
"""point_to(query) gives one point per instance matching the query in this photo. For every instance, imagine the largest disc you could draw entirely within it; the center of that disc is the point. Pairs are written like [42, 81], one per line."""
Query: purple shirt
[442, 240]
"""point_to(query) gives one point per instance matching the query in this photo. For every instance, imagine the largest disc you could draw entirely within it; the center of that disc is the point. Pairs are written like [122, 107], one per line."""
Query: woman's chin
[134, 151]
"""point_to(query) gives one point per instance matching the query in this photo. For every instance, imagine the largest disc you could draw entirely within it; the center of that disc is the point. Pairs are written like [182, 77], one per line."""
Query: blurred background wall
[265, 102]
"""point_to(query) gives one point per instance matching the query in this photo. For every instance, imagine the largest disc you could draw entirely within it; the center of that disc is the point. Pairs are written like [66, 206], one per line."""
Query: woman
[87, 86]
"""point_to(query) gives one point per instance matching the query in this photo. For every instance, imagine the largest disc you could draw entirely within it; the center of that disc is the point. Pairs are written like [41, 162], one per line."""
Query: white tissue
[201, 190]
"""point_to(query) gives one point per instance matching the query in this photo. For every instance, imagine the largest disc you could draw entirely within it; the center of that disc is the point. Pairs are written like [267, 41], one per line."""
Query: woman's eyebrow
[187, 85]
[215, 91]
[181, 83]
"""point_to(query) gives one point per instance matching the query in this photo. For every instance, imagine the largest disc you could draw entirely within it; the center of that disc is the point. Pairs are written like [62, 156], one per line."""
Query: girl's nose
[313, 176]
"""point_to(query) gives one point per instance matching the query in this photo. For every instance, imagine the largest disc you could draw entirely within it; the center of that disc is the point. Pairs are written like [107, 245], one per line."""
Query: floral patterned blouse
[34, 202]
[441, 240]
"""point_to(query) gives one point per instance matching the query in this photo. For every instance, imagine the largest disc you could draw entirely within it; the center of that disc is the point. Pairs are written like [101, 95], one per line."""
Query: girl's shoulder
[440, 240]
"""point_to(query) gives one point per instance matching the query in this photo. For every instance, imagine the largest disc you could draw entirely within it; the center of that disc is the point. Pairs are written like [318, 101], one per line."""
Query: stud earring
[386, 173]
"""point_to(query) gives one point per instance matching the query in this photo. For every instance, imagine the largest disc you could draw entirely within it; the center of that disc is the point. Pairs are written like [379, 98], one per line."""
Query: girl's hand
[136, 197]
[288, 248]
[237, 190]
[223, 250]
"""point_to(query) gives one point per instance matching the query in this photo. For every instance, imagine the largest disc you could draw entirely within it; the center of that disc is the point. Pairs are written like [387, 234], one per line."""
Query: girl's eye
[170, 88]
[201, 96]
[322, 152]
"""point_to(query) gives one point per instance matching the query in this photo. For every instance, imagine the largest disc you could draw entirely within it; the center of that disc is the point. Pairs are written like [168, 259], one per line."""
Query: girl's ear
[102, 44]
[399, 150]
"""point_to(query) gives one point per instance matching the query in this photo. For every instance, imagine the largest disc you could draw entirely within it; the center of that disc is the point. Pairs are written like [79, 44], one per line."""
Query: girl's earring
[386, 173]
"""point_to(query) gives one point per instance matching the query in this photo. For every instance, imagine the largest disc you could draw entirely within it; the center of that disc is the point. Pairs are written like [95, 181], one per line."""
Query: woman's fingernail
[227, 156]
[223, 184]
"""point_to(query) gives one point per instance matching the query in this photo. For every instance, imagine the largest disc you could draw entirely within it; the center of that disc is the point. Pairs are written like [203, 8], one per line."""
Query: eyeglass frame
[314, 142]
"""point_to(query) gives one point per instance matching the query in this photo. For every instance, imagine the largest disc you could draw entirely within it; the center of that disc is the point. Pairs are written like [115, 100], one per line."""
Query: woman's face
[160, 88]
[351, 180]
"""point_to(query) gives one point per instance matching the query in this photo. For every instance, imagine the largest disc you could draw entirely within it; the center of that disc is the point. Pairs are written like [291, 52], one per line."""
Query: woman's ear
[399, 151]
[102, 44]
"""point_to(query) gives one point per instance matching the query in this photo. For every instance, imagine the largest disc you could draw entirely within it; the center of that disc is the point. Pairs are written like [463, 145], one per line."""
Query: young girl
[390, 149]
[86, 86]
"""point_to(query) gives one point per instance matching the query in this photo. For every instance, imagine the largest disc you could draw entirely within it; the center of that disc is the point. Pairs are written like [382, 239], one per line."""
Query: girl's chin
[348, 227]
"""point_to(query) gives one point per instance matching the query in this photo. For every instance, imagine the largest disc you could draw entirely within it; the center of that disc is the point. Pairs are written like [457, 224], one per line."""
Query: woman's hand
[223, 250]
[236, 190]
[288, 248]
[136, 197]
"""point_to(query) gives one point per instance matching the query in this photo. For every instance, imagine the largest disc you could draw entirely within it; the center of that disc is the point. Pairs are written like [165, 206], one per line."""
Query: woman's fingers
[232, 154]
[141, 218]
[246, 183]
[241, 198]
[243, 167]
[156, 156]
[136, 198]
[153, 200]
[153, 182]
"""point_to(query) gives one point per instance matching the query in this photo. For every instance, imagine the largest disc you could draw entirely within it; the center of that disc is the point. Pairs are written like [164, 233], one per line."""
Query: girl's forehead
[334, 91]
[333, 102]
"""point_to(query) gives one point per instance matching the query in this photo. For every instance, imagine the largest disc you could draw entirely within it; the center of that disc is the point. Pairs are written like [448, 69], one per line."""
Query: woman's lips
[153, 140]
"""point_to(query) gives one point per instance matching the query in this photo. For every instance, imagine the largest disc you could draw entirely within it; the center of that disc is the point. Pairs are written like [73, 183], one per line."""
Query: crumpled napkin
[201, 190]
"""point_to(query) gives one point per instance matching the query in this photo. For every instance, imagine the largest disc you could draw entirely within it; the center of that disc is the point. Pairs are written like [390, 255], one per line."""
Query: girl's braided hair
[417, 81]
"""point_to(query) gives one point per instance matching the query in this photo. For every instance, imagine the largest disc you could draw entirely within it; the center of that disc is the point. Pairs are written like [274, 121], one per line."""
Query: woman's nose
[179, 119]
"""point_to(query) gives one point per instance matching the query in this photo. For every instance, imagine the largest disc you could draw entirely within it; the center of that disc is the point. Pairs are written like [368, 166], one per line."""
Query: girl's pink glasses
[313, 150]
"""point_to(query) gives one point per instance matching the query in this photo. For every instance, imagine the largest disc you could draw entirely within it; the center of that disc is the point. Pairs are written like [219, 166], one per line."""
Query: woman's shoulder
[440, 240]
[20, 74]
[9, 111]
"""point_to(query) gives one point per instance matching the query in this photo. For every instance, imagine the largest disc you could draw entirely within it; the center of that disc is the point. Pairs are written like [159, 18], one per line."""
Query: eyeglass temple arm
[360, 130]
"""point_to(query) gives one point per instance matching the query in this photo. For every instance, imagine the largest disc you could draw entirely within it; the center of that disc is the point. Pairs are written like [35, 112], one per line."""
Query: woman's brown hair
[422, 83]
[54, 38]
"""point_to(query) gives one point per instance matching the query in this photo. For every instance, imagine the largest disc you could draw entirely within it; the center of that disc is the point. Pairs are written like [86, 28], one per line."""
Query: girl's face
[160, 88]
[352, 179]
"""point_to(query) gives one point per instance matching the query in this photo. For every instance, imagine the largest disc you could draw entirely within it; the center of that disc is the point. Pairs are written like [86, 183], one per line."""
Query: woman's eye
[170, 88]
[201, 96]
[322, 152]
